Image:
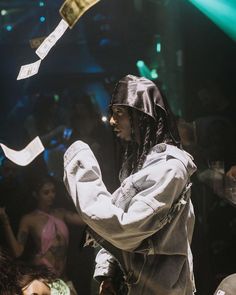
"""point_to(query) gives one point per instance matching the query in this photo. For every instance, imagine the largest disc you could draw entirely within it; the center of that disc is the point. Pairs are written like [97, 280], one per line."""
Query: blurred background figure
[232, 172]
[50, 121]
[34, 279]
[23, 279]
[7, 274]
[13, 193]
[88, 125]
[45, 227]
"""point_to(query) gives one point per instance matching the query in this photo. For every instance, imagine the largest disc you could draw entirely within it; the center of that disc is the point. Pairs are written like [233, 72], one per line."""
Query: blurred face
[36, 288]
[46, 194]
[121, 123]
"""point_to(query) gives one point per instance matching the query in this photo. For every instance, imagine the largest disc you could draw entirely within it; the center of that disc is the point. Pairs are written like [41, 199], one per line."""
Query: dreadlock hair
[150, 133]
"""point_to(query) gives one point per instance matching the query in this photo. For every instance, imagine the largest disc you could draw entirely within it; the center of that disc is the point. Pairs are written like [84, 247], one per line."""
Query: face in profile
[46, 194]
[36, 287]
[120, 122]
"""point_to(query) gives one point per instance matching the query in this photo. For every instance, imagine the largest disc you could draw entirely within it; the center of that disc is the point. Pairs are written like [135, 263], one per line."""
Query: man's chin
[122, 137]
[125, 139]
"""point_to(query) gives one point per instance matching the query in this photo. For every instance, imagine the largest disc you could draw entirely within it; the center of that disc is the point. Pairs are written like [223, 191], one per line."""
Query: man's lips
[116, 130]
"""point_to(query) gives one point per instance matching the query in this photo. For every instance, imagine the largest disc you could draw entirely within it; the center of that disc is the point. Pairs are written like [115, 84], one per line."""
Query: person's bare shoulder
[59, 212]
[27, 217]
[31, 218]
[26, 223]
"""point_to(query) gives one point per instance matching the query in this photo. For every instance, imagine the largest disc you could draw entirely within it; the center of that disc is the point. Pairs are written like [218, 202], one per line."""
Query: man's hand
[107, 287]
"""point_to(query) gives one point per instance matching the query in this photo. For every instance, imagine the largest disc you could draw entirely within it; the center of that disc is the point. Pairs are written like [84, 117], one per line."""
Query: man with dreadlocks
[145, 227]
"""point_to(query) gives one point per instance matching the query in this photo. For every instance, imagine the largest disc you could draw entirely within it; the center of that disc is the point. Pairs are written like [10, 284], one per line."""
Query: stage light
[3, 12]
[42, 19]
[9, 28]
[154, 74]
[221, 12]
[104, 42]
[56, 97]
[140, 63]
[143, 69]
[158, 43]
[104, 119]
[41, 3]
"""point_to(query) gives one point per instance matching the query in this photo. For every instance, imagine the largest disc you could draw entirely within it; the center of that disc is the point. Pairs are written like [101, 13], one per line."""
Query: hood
[139, 93]
[143, 95]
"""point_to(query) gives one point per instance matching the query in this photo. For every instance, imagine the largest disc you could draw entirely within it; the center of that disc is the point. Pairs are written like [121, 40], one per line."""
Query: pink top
[52, 228]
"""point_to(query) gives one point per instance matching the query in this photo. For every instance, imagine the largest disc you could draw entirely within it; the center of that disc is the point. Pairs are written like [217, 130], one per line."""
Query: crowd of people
[46, 226]
[210, 137]
[38, 222]
[143, 229]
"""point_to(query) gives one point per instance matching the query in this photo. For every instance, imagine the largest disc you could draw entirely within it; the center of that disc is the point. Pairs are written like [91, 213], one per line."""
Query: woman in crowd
[47, 228]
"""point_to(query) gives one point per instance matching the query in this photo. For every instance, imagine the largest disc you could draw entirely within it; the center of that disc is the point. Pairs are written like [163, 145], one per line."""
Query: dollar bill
[72, 10]
[29, 70]
[25, 156]
[51, 40]
[36, 42]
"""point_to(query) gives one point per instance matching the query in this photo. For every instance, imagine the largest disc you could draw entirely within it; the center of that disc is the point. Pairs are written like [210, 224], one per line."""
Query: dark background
[104, 46]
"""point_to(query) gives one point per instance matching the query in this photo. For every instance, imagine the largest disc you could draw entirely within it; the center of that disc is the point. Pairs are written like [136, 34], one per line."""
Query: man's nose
[112, 121]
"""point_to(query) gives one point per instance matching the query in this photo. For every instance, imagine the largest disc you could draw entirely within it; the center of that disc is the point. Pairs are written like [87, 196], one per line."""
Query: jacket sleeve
[106, 265]
[162, 183]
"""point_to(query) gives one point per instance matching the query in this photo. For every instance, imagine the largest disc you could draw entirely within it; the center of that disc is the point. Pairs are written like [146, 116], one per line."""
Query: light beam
[221, 12]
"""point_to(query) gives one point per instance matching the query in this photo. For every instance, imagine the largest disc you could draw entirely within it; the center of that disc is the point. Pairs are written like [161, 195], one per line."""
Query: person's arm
[160, 185]
[56, 133]
[105, 272]
[105, 265]
[72, 218]
[232, 172]
[47, 137]
[16, 245]
[107, 287]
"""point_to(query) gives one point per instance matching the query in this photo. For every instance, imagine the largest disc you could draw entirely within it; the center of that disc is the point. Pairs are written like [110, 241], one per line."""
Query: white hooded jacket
[136, 225]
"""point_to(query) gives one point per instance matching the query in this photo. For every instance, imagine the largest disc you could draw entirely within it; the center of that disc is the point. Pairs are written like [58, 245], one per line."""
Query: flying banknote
[72, 10]
[25, 156]
[29, 70]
